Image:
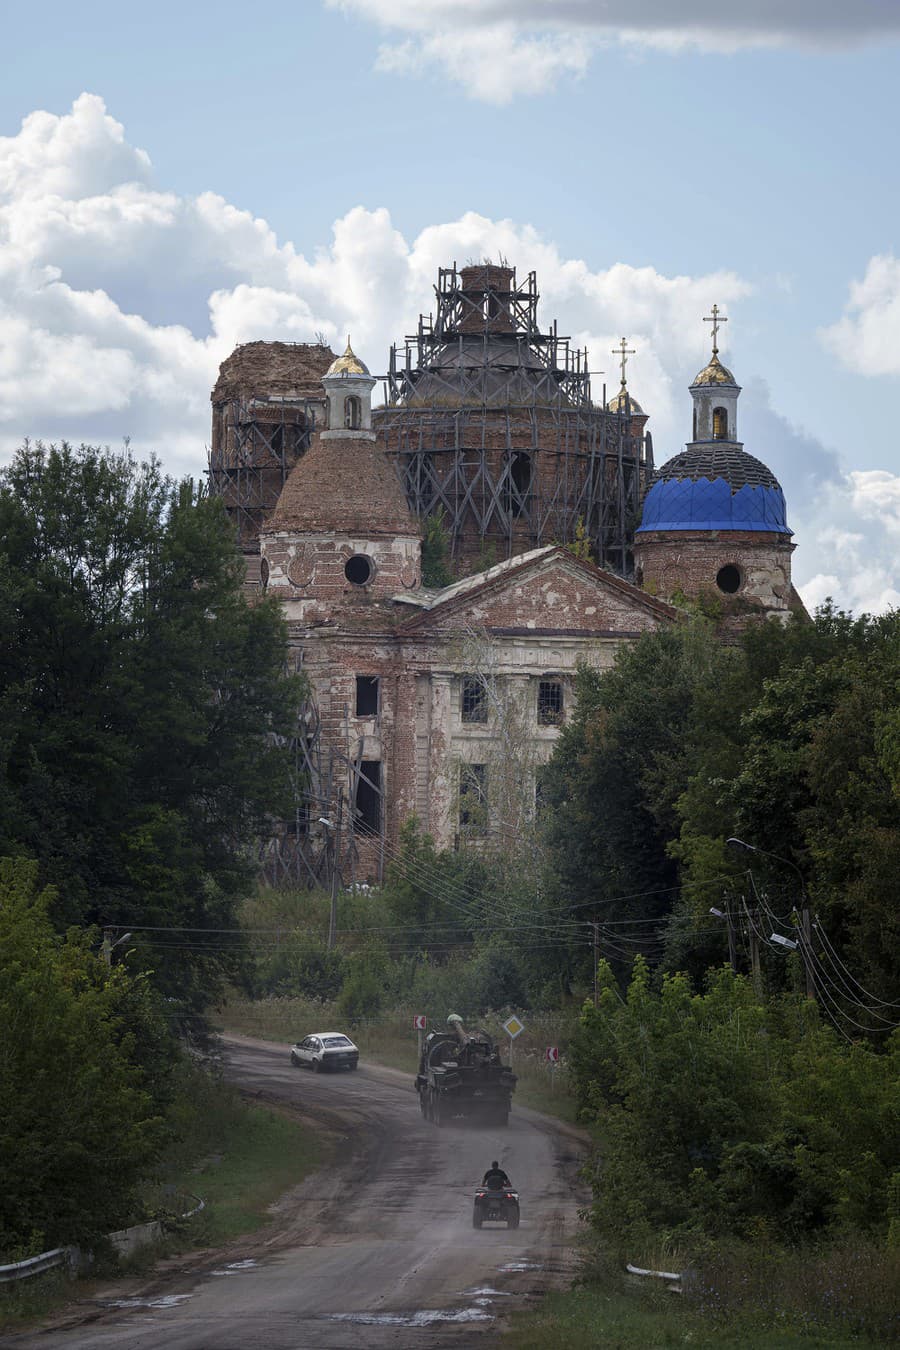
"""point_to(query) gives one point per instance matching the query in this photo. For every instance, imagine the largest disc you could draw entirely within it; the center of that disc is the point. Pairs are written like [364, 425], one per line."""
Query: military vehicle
[461, 1077]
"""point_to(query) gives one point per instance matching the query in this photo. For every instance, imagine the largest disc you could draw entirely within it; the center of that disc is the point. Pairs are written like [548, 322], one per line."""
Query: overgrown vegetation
[722, 1116]
[85, 1078]
[141, 702]
[143, 711]
[239, 1158]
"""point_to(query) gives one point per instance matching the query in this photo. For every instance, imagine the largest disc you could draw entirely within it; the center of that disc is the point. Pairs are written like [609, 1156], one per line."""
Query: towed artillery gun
[461, 1077]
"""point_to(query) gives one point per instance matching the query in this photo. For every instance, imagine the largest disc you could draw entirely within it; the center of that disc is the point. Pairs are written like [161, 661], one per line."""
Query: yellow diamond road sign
[512, 1026]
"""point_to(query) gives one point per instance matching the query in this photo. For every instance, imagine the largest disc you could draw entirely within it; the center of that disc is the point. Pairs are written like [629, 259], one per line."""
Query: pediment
[547, 592]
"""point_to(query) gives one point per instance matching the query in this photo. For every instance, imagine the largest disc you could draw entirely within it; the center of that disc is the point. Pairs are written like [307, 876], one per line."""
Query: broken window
[550, 703]
[367, 804]
[517, 484]
[473, 703]
[367, 695]
[473, 798]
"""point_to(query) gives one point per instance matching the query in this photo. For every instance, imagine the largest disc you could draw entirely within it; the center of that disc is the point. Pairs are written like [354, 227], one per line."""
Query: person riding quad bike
[495, 1178]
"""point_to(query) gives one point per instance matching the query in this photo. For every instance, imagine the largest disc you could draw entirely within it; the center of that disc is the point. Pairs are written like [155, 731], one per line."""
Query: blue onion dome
[715, 486]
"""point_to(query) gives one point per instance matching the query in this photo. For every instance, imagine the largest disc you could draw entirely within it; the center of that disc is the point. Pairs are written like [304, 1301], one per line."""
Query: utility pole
[806, 950]
[596, 929]
[335, 860]
[755, 968]
[108, 946]
[732, 954]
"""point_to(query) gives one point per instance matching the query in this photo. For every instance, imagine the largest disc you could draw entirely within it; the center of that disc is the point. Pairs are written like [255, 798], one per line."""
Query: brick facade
[672, 563]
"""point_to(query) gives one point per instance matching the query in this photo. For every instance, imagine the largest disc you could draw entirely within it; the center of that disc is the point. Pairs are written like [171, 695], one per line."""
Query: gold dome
[348, 364]
[617, 404]
[714, 373]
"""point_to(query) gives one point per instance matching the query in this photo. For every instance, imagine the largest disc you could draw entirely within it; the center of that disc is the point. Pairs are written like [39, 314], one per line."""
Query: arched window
[695, 424]
[352, 413]
[720, 424]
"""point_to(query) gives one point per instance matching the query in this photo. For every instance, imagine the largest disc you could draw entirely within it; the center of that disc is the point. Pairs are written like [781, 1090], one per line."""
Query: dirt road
[378, 1252]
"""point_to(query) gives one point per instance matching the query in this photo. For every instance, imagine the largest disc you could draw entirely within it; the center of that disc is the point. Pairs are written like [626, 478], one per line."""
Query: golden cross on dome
[623, 351]
[716, 322]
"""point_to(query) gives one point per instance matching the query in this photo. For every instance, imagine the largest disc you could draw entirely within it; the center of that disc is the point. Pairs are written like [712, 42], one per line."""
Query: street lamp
[754, 848]
[107, 948]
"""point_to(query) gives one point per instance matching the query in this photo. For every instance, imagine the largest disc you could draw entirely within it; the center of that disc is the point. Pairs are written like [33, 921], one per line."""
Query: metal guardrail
[36, 1265]
[67, 1256]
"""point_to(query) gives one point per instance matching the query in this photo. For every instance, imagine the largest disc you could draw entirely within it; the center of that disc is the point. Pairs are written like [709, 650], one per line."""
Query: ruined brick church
[443, 698]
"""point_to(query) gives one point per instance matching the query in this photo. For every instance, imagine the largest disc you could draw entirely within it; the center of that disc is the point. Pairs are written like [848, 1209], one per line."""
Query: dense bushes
[85, 1077]
[720, 1115]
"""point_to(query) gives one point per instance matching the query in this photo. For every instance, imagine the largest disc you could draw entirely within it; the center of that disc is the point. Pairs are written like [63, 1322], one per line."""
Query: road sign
[419, 1022]
[553, 1054]
[513, 1027]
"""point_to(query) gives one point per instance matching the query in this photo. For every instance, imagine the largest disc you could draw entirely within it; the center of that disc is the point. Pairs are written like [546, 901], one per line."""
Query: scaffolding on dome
[262, 440]
[490, 423]
[267, 402]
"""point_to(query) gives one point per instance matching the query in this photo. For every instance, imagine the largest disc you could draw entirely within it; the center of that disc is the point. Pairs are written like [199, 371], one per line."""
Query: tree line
[145, 712]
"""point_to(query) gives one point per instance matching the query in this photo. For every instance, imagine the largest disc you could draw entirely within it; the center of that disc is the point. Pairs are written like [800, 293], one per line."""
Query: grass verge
[590, 1317]
[238, 1157]
[737, 1295]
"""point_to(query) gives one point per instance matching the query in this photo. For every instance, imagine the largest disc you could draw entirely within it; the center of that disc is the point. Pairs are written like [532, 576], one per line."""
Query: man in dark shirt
[495, 1178]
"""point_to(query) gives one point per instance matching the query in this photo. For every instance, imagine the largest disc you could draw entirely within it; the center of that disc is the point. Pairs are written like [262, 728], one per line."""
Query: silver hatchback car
[325, 1050]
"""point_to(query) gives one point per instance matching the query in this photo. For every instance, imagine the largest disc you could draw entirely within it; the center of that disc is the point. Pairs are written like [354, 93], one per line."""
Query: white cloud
[118, 301]
[847, 543]
[497, 49]
[867, 338]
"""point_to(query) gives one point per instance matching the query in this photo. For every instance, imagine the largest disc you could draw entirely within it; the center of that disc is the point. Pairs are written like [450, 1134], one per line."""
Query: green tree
[148, 705]
[619, 768]
[436, 551]
[84, 1068]
[718, 1113]
[432, 896]
[801, 766]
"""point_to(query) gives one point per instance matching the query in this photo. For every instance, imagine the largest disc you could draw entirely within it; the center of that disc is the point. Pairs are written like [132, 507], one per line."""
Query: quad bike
[496, 1206]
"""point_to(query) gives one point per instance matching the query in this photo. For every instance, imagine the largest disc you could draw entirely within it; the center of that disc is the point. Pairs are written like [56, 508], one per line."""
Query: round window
[359, 569]
[728, 579]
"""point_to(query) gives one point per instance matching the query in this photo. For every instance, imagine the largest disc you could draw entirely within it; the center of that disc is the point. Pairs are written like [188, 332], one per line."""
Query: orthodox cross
[623, 351]
[716, 322]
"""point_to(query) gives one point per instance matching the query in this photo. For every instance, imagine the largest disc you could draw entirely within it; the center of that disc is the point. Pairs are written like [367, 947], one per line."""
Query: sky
[177, 179]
